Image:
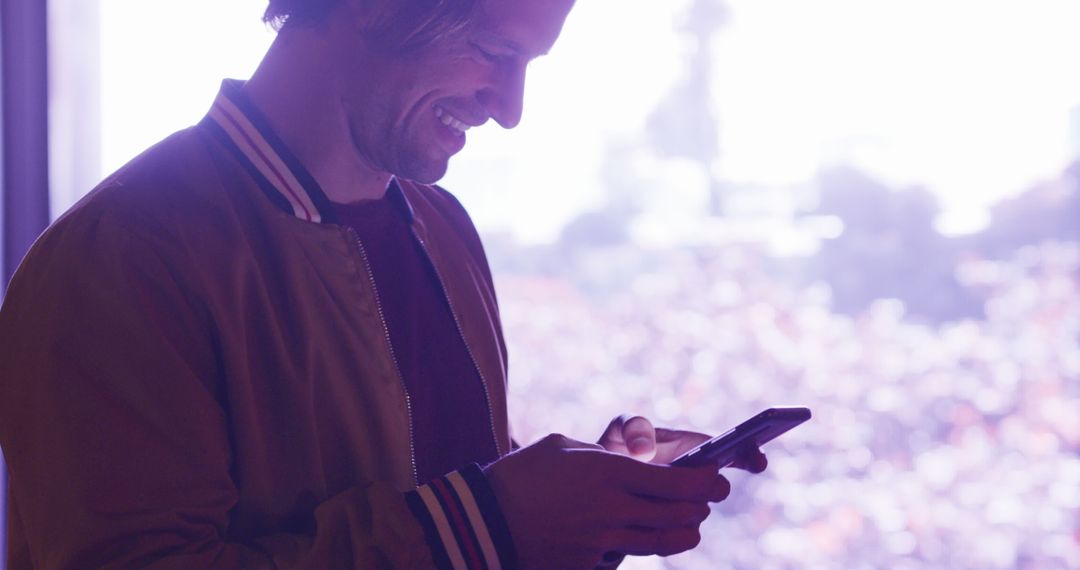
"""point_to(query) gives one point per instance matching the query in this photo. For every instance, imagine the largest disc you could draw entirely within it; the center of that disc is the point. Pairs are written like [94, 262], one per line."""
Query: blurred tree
[626, 176]
[683, 124]
[609, 225]
[601, 228]
[1047, 211]
[888, 249]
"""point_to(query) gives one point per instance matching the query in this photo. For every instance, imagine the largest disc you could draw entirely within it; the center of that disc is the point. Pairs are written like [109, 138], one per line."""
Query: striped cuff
[462, 522]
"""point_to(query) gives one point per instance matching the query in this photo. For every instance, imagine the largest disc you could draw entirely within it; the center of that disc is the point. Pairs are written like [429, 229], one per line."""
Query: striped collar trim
[284, 180]
[250, 134]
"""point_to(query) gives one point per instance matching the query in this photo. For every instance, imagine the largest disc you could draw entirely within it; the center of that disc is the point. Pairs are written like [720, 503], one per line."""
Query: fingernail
[639, 445]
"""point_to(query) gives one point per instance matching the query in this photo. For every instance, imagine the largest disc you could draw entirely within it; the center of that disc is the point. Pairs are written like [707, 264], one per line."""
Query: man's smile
[450, 121]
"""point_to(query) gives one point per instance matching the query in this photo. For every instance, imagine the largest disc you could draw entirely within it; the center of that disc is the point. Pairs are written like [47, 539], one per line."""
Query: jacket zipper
[461, 333]
[393, 356]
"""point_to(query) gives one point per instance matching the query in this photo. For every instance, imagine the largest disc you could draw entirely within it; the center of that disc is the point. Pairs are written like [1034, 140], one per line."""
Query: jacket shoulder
[170, 199]
[430, 200]
[175, 176]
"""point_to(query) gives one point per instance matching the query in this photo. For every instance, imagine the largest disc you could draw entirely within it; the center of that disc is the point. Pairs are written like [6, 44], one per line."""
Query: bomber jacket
[195, 372]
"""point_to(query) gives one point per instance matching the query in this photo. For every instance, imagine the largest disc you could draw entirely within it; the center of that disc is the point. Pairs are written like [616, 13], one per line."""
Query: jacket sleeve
[115, 430]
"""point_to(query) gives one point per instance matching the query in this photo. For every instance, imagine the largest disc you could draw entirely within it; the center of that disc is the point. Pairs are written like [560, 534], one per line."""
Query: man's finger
[640, 438]
[645, 513]
[630, 435]
[751, 459]
[561, 441]
[672, 483]
[612, 436]
[671, 443]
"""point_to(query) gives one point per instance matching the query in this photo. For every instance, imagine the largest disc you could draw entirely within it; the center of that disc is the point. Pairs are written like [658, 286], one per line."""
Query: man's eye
[487, 55]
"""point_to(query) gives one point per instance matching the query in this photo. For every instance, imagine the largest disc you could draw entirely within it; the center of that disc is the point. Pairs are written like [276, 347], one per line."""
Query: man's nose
[504, 99]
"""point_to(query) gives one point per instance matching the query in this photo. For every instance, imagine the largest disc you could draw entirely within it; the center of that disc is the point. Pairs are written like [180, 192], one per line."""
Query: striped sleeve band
[462, 522]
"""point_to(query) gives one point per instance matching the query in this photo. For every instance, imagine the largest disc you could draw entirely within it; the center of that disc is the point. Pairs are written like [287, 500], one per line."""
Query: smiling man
[270, 341]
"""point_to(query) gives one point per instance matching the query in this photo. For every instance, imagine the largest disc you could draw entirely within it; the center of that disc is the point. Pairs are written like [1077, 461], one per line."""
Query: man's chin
[427, 172]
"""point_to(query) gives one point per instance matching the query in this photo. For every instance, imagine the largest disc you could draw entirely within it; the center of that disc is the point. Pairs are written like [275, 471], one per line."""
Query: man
[268, 342]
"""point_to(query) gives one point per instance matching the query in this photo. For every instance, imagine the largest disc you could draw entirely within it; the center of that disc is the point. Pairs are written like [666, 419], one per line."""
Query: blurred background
[868, 207]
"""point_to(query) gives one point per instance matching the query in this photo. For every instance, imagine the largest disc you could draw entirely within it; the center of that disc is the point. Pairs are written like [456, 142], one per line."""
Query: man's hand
[636, 437]
[567, 503]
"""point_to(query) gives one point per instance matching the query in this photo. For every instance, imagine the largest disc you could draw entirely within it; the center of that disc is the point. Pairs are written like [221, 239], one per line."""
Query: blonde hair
[399, 25]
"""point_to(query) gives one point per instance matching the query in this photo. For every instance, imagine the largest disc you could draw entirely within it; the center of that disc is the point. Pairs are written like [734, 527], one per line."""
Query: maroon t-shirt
[451, 425]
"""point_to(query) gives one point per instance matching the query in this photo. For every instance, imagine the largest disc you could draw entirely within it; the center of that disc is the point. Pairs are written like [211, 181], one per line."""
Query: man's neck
[294, 88]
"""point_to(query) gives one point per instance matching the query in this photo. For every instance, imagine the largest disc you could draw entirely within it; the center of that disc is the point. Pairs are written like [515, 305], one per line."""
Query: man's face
[408, 113]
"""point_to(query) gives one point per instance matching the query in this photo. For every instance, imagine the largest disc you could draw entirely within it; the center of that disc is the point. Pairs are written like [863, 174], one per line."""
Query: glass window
[711, 207]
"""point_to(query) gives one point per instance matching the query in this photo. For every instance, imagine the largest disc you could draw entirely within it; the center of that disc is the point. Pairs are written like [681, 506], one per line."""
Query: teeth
[449, 120]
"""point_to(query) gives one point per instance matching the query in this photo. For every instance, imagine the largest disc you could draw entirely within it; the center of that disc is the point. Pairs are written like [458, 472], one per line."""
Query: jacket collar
[235, 121]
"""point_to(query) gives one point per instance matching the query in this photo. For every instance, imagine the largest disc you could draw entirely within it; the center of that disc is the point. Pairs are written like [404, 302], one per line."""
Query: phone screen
[756, 431]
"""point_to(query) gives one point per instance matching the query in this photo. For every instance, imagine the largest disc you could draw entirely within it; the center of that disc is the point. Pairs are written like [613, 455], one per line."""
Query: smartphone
[756, 431]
